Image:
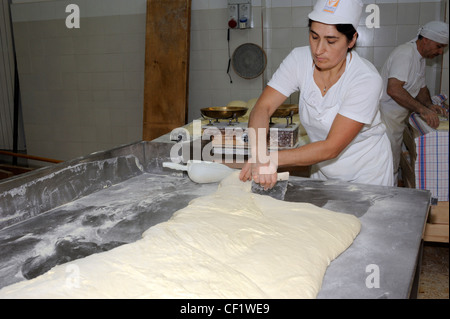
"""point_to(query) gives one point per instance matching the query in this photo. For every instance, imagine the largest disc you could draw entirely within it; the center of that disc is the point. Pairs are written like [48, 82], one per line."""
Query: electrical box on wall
[240, 14]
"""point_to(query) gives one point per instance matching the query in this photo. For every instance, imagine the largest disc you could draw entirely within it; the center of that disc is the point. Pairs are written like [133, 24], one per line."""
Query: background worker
[404, 87]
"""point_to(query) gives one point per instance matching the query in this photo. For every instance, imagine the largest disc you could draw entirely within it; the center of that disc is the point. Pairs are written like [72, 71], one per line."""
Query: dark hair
[346, 29]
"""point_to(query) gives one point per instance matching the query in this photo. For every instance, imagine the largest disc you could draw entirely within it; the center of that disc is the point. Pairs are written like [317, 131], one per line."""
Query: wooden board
[14, 170]
[5, 174]
[436, 233]
[439, 213]
[437, 228]
[166, 66]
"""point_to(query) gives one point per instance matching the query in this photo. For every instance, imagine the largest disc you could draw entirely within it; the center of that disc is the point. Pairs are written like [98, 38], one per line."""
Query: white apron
[394, 116]
[395, 126]
[365, 159]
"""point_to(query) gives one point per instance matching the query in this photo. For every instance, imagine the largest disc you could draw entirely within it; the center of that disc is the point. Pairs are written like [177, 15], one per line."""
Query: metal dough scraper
[278, 191]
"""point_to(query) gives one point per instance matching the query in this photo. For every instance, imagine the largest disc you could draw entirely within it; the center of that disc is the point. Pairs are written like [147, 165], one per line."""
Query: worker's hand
[246, 172]
[431, 117]
[440, 109]
[263, 174]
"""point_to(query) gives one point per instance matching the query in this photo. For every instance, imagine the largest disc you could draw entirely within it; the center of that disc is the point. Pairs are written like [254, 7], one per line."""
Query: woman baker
[338, 106]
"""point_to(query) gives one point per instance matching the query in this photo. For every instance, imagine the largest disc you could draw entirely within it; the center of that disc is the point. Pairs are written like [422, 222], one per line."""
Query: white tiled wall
[82, 90]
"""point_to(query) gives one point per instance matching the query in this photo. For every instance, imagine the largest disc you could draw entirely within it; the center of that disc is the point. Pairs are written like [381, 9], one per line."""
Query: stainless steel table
[108, 199]
[384, 260]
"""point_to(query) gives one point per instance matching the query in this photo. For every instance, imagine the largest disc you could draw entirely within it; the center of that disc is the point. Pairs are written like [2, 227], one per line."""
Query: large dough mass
[231, 244]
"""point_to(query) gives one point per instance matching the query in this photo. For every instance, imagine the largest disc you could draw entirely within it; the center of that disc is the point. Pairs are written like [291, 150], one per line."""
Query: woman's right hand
[246, 172]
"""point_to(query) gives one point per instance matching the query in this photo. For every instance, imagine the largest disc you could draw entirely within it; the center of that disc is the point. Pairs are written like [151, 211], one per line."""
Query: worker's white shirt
[367, 159]
[407, 65]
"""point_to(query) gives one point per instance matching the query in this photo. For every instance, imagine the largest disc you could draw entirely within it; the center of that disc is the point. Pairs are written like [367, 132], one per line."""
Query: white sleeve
[399, 66]
[360, 101]
[288, 77]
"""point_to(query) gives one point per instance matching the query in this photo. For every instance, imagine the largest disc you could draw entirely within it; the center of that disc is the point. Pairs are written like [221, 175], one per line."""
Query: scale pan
[286, 110]
[224, 112]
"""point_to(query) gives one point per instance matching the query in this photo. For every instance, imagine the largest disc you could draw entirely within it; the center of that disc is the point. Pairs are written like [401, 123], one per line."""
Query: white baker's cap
[337, 12]
[436, 31]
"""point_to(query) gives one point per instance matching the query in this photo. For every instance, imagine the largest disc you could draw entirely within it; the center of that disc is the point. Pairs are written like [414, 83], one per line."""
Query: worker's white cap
[337, 12]
[436, 31]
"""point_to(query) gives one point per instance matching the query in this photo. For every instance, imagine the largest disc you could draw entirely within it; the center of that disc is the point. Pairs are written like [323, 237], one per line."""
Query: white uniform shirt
[407, 65]
[368, 158]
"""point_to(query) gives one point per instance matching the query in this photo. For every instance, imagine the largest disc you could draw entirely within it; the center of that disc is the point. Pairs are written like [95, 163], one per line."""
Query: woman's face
[328, 46]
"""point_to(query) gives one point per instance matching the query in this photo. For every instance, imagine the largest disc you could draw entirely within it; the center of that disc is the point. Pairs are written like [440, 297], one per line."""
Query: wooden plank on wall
[166, 66]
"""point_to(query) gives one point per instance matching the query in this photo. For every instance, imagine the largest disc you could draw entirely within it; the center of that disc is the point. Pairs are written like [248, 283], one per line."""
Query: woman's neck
[326, 78]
